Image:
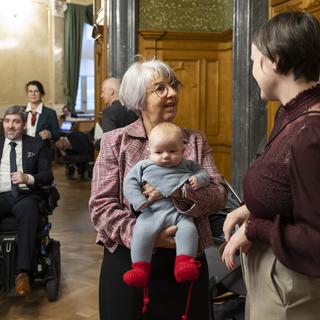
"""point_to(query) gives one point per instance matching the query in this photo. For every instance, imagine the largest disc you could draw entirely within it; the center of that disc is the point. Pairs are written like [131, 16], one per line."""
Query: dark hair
[292, 38]
[36, 83]
[65, 106]
[17, 110]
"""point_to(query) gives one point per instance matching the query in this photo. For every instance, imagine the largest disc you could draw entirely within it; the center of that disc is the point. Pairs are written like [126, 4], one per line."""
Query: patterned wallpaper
[185, 15]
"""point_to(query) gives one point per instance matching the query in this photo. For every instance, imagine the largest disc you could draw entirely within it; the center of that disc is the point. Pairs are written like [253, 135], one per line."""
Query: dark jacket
[35, 160]
[117, 116]
[48, 120]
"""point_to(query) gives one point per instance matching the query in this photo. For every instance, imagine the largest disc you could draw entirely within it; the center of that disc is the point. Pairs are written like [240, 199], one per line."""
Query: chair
[81, 154]
[47, 266]
[221, 280]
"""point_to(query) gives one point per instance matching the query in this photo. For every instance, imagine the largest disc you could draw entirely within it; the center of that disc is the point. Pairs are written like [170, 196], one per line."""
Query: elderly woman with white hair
[150, 88]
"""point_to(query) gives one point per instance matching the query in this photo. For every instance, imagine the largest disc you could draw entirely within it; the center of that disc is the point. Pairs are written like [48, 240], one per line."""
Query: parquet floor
[80, 262]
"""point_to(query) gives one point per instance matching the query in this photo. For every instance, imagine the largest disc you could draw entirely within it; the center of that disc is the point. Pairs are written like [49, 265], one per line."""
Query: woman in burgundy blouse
[280, 221]
[151, 89]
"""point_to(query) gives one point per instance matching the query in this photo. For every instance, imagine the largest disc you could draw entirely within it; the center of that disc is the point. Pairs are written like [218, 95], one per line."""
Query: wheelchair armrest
[50, 201]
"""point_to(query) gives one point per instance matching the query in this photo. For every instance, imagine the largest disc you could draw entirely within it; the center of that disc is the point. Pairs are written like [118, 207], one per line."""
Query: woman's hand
[165, 238]
[237, 242]
[44, 134]
[237, 216]
[151, 193]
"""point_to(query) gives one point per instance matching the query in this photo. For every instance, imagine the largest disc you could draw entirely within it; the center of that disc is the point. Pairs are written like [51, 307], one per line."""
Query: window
[85, 94]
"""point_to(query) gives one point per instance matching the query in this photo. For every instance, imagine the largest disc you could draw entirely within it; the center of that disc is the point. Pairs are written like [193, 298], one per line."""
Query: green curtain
[75, 17]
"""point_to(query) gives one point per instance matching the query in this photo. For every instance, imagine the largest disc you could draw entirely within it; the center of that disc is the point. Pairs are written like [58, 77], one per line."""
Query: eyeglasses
[162, 89]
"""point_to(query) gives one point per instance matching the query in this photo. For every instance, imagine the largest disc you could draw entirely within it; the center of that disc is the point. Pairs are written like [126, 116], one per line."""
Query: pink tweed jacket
[120, 150]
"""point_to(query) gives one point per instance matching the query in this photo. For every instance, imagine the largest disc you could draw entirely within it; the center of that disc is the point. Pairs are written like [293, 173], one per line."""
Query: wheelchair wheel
[53, 284]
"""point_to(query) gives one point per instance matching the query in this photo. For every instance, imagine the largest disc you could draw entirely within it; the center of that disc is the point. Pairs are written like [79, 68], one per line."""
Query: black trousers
[168, 299]
[25, 208]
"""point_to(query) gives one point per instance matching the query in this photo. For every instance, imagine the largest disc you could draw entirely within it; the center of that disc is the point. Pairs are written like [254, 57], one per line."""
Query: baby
[166, 171]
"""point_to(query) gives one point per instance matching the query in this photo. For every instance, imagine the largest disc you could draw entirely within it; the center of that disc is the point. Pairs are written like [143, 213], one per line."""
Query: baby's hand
[193, 181]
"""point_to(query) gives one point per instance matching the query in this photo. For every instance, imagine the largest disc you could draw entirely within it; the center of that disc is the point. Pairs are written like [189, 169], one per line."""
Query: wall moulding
[311, 4]
[277, 2]
[175, 35]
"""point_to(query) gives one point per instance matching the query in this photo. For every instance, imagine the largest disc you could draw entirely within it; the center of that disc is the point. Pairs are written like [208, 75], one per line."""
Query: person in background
[115, 115]
[66, 113]
[151, 89]
[42, 121]
[280, 221]
[24, 169]
[77, 147]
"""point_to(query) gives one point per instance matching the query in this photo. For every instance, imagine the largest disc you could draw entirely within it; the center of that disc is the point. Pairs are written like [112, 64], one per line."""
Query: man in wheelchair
[24, 169]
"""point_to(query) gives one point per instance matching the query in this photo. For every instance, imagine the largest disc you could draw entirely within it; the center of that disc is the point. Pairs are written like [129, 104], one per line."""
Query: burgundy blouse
[282, 187]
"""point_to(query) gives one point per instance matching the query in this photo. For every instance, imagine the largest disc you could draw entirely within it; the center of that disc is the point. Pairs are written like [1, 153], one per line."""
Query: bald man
[115, 115]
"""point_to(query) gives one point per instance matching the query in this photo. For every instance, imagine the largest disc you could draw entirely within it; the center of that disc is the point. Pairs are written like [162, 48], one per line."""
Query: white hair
[135, 81]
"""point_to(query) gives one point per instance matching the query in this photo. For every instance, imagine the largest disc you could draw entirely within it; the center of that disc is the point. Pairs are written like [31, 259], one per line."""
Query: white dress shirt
[31, 130]
[5, 178]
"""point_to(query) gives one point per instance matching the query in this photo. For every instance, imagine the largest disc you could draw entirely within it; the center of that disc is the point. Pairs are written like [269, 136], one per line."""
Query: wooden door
[203, 62]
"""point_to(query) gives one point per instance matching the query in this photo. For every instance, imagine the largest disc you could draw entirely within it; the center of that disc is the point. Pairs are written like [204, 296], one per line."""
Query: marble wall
[186, 15]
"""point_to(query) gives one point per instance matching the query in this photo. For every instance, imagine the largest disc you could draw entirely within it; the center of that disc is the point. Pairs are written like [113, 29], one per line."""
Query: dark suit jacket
[48, 120]
[35, 161]
[117, 116]
[81, 144]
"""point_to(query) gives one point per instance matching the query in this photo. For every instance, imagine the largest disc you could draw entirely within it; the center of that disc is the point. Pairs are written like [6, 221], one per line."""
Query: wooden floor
[80, 262]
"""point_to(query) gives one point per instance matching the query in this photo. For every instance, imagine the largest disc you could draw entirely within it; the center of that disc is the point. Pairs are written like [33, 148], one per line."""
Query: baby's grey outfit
[162, 213]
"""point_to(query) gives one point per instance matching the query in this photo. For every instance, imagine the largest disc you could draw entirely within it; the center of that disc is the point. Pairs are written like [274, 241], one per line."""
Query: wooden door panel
[188, 72]
[203, 62]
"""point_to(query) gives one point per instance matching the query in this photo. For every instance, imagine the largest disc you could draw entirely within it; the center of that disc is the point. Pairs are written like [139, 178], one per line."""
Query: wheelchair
[47, 266]
[221, 280]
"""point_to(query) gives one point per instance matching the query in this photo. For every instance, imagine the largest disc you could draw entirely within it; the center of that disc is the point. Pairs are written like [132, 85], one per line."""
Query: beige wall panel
[58, 60]
[24, 51]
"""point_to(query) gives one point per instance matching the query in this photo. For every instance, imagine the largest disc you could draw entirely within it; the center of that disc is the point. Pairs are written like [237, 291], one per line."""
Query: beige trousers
[276, 293]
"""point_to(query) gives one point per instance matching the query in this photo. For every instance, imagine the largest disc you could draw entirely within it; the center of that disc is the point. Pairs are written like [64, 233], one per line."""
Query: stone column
[123, 31]
[249, 112]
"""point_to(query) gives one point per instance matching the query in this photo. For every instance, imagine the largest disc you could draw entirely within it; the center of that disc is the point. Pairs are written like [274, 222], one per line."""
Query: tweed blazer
[120, 150]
